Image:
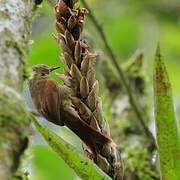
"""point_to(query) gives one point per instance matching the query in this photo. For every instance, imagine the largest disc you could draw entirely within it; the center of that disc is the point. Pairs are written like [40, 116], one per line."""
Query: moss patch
[13, 129]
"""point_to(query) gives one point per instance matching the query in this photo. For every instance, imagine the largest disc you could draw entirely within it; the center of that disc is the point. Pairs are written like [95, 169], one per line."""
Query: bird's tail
[89, 135]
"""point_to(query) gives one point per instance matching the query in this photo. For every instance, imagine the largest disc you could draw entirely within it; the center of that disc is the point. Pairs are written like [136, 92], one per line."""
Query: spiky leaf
[84, 167]
[166, 127]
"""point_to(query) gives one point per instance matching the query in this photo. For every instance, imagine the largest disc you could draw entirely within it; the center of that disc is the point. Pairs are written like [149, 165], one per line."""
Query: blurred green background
[129, 25]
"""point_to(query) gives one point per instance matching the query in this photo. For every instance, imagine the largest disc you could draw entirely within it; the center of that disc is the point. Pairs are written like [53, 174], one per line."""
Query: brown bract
[82, 99]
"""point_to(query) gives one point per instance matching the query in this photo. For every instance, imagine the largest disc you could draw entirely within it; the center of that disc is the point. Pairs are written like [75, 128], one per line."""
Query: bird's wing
[53, 102]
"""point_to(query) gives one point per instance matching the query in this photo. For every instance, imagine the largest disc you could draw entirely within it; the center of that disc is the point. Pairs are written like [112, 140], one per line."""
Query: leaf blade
[166, 127]
[83, 167]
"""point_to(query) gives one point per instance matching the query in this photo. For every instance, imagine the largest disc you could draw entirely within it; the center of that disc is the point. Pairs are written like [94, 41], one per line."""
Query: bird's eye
[42, 74]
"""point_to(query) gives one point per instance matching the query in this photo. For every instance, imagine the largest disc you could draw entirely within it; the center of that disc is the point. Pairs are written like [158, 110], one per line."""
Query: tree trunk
[15, 28]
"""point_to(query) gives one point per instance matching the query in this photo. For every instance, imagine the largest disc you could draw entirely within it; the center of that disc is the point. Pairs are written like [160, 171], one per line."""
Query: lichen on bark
[15, 28]
[15, 20]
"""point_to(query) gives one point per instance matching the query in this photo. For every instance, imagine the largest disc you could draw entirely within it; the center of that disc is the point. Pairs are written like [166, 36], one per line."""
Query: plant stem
[120, 72]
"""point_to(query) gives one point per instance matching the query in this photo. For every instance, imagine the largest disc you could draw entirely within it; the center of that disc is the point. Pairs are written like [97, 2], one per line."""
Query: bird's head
[41, 70]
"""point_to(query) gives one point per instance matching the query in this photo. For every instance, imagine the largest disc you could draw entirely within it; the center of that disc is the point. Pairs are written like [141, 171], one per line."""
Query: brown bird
[46, 96]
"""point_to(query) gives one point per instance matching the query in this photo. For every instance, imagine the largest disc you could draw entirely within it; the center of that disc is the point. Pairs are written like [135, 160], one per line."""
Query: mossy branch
[16, 20]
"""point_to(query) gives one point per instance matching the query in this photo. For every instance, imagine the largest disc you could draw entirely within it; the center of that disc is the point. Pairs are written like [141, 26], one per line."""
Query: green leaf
[83, 166]
[166, 128]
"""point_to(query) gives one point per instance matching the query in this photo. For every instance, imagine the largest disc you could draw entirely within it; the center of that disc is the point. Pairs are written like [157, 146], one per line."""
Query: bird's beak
[53, 68]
